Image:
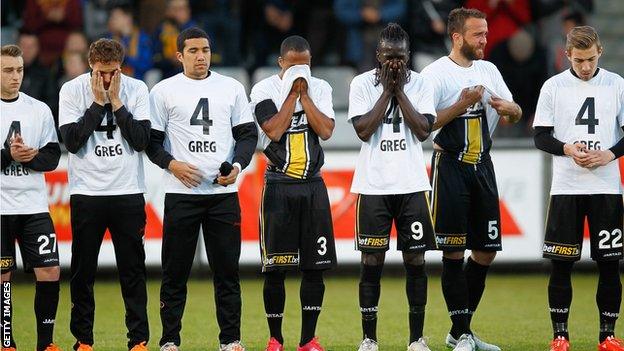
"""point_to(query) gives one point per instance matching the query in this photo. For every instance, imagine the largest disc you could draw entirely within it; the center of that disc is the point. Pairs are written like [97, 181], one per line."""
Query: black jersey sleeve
[76, 134]
[47, 158]
[246, 136]
[136, 133]
[155, 150]
[545, 141]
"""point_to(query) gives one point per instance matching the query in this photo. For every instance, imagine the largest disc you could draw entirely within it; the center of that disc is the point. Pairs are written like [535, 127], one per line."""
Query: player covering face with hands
[104, 120]
[391, 109]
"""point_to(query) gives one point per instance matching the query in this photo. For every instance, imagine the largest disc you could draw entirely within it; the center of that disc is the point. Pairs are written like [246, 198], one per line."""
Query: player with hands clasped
[470, 97]
[202, 130]
[579, 120]
[29, 149]
[391, 109]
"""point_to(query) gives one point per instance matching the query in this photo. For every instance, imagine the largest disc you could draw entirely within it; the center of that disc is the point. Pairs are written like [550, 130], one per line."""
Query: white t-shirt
[467, 137]
[24, 190]
[589, 112]
[299, 154]
[197, 117]
[106, 164]
[391, 161]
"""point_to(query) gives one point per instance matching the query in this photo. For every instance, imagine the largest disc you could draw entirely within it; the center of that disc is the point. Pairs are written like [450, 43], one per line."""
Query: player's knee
[373, 258]
[414, 259]
[312, 276]
[484, 258]
[48, 274]
[453, 255]
[609, 272]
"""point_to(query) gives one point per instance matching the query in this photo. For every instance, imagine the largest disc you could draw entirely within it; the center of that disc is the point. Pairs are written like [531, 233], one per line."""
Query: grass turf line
[513, 314]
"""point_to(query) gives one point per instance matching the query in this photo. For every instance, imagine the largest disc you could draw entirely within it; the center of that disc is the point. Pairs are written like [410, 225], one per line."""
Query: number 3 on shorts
[492, 230]
[322, 241]
[45, 247]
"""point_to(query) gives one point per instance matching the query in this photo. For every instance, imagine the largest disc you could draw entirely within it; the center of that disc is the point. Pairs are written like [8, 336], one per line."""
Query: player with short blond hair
[579, 120]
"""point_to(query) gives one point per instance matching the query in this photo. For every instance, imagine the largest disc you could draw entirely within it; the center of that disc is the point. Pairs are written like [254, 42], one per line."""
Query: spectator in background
[363, 21]
[177, 19]
[522, 63]
[10, 20]
[136, 43]
[52, 21]
[570, 20]
[222, 21]
[504, 18]
[278, 23]
[321, 29]
[74, 64]
[427, 29]
[36, 82]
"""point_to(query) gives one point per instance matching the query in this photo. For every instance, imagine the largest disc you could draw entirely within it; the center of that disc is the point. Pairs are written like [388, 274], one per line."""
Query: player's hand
[505, 109]
[470, 96]
[598, 158]
[97, 88]
[296, 87]
[187, 173]
[113, 90]
[230, 178]
[303, 87]
[20, 152]
[400, 77]
[385, 77]
[578, 153]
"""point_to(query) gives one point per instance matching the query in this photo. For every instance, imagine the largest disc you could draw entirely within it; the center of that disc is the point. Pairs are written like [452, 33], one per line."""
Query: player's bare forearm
[417, 123]
[448, 114]
[277, 125]
[322, 125]
[515, 115]
[367, 124]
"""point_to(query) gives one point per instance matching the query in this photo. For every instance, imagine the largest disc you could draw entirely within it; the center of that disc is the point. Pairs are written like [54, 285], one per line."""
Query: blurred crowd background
[526, 37]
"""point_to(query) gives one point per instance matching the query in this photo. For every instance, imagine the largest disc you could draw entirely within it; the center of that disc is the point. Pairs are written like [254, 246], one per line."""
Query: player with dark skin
[277, 125]
[392, 74]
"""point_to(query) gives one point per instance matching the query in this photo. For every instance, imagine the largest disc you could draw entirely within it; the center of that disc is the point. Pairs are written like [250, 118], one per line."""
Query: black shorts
[296, 226]
[373, 220]
[36, 237]
[465, 209]
[565, 224]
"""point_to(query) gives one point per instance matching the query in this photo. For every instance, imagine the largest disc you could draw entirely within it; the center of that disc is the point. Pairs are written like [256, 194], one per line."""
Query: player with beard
[470, 96]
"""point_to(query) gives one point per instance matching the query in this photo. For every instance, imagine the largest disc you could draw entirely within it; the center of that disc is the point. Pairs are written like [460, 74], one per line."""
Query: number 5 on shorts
[492, 230]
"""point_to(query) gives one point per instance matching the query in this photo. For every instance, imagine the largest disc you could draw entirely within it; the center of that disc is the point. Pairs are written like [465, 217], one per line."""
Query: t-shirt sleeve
[141, 112]
[48, 134]
[158, 110]
[325, 102]
[424, 103]
[69, 110]
[620, 115]
[358, 101]
[241, 113]
[262, 105]
[434, 84]
[500, 87]
[544, 113]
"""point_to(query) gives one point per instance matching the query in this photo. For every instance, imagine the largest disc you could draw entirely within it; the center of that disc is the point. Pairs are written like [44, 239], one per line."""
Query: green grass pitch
[513, 314]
